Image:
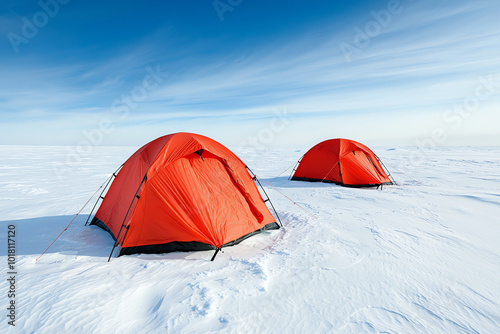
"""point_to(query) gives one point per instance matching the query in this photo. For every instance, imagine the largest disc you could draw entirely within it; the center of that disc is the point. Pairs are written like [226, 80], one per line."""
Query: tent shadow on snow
[285, 182]
[34, 235]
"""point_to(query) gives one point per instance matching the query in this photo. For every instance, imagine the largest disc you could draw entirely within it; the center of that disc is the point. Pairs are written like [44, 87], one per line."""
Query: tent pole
[295, 167]
[267, 196]
[387, 170]
[100, 196]
[125, 218]
[116, 244]
[97, 201]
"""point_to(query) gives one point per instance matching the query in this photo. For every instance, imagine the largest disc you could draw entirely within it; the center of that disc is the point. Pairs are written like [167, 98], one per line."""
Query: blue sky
[284, 72]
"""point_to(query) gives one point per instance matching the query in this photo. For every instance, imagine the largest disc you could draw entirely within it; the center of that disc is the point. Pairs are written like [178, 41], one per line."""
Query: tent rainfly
[344, 162]
[182, 192]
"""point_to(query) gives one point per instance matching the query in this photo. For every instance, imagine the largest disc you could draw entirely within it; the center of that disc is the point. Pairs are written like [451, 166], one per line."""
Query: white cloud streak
[426, 60]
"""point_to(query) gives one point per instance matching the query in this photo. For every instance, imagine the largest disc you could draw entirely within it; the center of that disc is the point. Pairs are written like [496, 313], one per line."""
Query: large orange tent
[341, 161]
[182, 192]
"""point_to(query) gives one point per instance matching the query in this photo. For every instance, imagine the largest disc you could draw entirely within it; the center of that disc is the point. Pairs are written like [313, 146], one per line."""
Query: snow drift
[423, 256]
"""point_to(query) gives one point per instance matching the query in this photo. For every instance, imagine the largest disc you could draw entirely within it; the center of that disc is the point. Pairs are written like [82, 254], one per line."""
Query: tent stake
[215, 254]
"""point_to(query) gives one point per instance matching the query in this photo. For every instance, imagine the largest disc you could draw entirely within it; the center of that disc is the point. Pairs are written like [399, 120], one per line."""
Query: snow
[422, 256]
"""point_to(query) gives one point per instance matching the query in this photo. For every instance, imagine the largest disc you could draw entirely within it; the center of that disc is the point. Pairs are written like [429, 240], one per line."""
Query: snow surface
[420, 257]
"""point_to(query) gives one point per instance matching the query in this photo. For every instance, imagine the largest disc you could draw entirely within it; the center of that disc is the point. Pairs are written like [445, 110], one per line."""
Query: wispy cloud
[427, 58]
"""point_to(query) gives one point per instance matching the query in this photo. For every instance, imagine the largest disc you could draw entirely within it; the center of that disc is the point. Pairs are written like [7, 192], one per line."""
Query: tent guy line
[185, 179]
[72, 220]
[288, 198]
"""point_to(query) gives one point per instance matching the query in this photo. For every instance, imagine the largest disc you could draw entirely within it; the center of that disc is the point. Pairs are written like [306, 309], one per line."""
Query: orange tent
[182, 192]
[343, 162]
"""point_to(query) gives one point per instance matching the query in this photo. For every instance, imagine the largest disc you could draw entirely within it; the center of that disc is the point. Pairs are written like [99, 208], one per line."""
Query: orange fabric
[119, 196]
[210, 199]
[342, 161]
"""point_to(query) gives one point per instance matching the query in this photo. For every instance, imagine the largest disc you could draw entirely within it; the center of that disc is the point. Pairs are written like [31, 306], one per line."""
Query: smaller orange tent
[341, 161]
